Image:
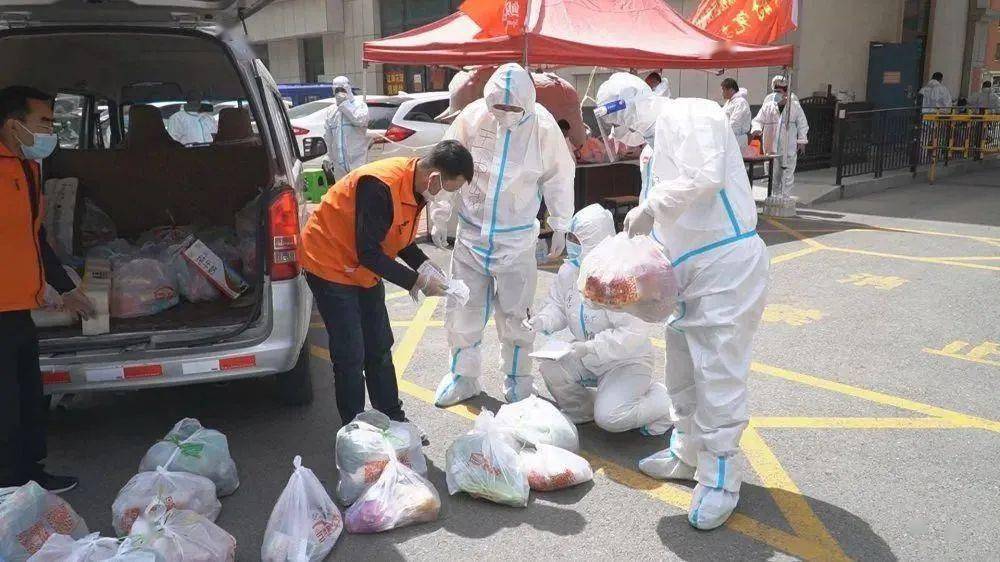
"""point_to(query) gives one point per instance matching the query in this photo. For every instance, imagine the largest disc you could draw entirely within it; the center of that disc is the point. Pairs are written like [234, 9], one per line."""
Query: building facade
[315, 40]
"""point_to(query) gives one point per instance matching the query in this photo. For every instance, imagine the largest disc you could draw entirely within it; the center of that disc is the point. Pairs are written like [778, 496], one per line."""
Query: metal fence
[880, 140]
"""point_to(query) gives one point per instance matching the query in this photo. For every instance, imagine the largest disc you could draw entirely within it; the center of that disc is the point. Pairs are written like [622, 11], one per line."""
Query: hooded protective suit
[615, 354]
[346, 130]
[771, 121]
[520, 159]
[936, 96]
[701, 207]
[737, 110]
[192, 127]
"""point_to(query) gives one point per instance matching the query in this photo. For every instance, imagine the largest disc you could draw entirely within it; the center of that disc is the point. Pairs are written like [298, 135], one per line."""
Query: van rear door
[23, 13]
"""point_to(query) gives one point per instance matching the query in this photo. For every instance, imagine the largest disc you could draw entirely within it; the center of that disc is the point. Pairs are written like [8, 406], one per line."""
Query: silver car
[110, 58]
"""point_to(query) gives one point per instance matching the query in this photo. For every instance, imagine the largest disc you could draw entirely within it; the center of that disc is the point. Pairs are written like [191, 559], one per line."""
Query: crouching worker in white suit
[611, 350]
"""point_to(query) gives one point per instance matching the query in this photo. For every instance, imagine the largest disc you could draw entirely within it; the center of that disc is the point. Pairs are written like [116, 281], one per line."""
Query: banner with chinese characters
[496, 18]
[758, 22]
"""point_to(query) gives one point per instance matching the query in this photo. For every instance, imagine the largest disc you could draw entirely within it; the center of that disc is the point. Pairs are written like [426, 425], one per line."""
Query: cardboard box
[209, 264]
[97, 287]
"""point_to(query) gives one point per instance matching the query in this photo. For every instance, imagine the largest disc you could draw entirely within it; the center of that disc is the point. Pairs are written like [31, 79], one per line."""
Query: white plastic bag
[248, 256]
[64, 548]
[550, 468]
[179, 535]
[535, 420]
[177, 490]
[399, 497]
[629, 275]
[483, 463]
[118, 251]
[305, 523]
[189, 447]
[142, 287]
[361, 451]
[29, 515]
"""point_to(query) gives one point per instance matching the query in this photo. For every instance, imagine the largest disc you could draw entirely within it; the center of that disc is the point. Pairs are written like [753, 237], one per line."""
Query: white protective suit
[347, 131]
[737, 110]
[700, 205]
[936, 96]
[618, 358]
[771, 121]
[191, 127]
[985, 99]
[663, 88]
[520, 159]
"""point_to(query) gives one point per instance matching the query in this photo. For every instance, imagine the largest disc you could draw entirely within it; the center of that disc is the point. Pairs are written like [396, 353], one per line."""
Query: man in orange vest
[351, 242]
[26, 123]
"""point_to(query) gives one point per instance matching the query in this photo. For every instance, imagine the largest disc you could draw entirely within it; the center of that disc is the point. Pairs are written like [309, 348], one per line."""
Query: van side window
[70, 119]
[285, 124]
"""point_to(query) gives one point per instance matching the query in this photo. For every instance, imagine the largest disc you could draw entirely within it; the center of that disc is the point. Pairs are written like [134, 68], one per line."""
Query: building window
[312, 57]
[261, 51]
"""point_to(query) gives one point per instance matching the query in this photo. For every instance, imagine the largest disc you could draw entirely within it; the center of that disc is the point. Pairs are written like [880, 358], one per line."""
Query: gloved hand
[800, 148]
[431, 285]
[439, 235]
[558, 244]
[638, 222]
[534, 324]
[341, 97]
[77, 303]
[580, 349]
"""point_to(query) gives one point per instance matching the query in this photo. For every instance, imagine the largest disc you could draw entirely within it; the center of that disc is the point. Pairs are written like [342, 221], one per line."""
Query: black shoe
[55, 484]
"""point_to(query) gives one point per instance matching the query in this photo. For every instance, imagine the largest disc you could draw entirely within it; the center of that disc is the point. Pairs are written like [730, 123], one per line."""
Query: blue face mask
[43, 146]
[573, 252]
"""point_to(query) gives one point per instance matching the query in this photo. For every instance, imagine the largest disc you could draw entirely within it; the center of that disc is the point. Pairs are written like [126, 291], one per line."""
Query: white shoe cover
[454, 389]
[658, 427]
[516, 389]
[666, 466]
[711, 507]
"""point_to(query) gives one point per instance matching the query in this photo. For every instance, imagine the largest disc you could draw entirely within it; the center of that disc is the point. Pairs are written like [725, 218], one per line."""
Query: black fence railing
[880, 140]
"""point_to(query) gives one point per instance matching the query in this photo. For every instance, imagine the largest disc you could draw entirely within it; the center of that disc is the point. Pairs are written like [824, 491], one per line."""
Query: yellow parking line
[911, 258]
[786, 494]
[877, 397]
[795, 254]
[968, 258]
[962, 357]
[791, 422]
[795, 233]
[987, 239]
[397, 295]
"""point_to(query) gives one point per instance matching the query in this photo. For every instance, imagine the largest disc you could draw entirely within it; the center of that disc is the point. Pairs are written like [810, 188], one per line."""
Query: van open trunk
[135, 173]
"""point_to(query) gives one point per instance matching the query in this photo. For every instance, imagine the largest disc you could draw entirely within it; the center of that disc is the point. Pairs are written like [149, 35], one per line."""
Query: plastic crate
[316, 185]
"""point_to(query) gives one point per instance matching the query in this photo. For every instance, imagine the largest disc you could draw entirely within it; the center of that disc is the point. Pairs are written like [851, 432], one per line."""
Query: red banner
[758, 22]
[496, 18]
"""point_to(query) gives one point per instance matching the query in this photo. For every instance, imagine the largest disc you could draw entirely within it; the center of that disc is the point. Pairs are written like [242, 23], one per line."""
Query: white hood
[591, 225]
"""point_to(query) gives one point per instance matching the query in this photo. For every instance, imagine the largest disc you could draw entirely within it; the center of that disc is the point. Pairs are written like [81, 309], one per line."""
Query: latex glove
[439, 235]
[534, 324]
[580, 349]
[800, 148]
[430, 284]
[638, 222]
[558, 244]
[77, 303]
[341, 97]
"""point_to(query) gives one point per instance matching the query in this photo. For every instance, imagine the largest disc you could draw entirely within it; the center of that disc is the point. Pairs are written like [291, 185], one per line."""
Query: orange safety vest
[329, 246]
[22, 285]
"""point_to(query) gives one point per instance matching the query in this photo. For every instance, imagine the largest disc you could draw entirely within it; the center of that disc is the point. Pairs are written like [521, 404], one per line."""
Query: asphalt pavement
[875, 432]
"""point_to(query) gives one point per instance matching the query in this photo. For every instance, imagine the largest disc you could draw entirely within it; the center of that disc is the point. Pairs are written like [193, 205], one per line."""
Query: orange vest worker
[329, 246]
[23, 286]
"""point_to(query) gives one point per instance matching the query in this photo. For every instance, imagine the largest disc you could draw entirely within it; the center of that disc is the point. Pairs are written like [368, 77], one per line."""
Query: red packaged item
[629, 275]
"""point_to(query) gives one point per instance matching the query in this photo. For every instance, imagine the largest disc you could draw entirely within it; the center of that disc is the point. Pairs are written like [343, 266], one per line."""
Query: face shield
[623, 112]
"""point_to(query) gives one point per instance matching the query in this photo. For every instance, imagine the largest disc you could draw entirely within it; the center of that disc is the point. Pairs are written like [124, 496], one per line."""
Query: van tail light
[283, 249]
[299, 131]
[394, 133]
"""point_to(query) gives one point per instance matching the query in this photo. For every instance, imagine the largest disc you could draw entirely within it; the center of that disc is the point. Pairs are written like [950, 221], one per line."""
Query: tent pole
[364, 82]
[524, 31]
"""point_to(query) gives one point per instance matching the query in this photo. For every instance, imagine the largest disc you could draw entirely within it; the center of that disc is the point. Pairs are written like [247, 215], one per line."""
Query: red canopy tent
[606, 33]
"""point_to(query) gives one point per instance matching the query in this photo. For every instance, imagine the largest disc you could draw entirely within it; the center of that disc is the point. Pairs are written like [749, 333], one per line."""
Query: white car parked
[400, 125]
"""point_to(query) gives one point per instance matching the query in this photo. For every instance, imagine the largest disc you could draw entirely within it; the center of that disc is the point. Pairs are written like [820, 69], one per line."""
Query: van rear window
[380, 114]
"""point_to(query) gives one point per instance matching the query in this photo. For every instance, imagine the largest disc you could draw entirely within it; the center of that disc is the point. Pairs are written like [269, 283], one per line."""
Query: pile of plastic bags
[361, 452]
[305, 523]
[189, 447]
[180, 490]
[29, 515]
[528, 445]
[179, 535]
[630, 275]
[63, 548]
[142, 287]
[383, 474]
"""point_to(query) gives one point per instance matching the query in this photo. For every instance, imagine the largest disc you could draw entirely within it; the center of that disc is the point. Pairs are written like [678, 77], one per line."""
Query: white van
[107, 60]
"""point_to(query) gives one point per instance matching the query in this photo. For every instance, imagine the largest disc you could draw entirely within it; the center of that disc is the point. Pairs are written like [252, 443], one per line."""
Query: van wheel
[295, 387]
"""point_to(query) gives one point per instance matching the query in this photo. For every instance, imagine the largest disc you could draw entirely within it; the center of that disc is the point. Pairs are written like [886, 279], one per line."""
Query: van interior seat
[146, 129]
[143, 187]
[234, 126]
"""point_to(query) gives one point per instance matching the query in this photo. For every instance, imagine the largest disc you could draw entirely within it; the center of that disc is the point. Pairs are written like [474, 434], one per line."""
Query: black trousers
[23, 411]
[357, 323]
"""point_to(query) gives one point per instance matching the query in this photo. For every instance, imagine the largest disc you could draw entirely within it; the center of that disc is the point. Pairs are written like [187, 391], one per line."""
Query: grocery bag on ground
[64, 548]
[483, 463]
[550, 468]
[179, 535]
[535, 420]
[142, 287]
[177, 490]
[629, 275]
[189, 447]
[305, 523]
[361, 451]
[29, 515]
[399, 497]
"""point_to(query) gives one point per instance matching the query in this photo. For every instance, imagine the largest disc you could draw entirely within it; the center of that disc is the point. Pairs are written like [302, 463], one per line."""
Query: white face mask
[507, 119]
[431, 193]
